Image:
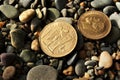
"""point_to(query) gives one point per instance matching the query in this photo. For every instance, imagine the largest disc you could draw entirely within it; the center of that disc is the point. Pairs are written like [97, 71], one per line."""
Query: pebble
[9, 11]
[35, 24]
[43, 3]
[44, 12]
[60, 4]
[26, 15]
[90, 63]
[9, 72]
[95, 58]
[71, 60]
[66, 19]
[54, 63]
[24, 3]
[118, 5]
[53, 14]
[89, 46]
[108, 10]
[10, 49]
[39, 13]
[113, 36]
[27, 55]
[68, 71]
[42, 72]
[7, 58]
[80, 68]
[100, 3]
[105, 60]
[35, 45]
[17, 38]
[64, 12]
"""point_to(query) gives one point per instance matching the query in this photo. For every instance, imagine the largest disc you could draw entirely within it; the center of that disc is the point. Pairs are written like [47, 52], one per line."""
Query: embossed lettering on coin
[94, 24]
[58, 39]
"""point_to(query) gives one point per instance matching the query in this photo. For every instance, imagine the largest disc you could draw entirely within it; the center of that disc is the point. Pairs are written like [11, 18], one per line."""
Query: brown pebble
[117, 66]
[105, 60]
[8, 73]
[2, 24]
[100, 72]
[35, 45]
[111, 75]
[26, 15]
[86, 76]
[82, 54]
[68, 71]
[82, 4]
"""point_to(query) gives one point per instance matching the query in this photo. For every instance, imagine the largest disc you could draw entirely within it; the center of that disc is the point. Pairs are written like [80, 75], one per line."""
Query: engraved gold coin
[94, 25]
[58, 39]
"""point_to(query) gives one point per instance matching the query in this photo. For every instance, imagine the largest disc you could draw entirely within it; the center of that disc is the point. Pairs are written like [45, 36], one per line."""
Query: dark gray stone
[80, 68]
[100, 3]
[42, 72]
[17, 38]
[108, 10]
[9, 11]
[35, 24]
[90, 63]
[60, 4]
[53, 14]
[113, 36]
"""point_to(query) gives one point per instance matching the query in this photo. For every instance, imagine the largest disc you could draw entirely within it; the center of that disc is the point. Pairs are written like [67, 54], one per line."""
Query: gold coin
[94, 25]
[58, 39]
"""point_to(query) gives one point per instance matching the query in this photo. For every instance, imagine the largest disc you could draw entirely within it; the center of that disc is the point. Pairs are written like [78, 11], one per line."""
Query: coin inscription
[94, 24]
[58, 39]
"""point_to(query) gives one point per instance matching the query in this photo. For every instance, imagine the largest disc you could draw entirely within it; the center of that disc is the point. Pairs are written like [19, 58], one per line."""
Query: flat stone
[80, 68]
[8, 73]
[26, 15]
[9, 11]
[108, 10]
[60, 4]
[105, 60]
[100, 3]
[24, 3]
[66, 19]
[17, 38]
[53, 14]
[42, 72]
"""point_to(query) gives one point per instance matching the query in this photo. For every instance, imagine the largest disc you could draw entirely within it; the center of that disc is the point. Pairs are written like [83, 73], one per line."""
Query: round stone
[42, 72]
[94, 25]
[105, 60]
[8, 73]
[58, 39]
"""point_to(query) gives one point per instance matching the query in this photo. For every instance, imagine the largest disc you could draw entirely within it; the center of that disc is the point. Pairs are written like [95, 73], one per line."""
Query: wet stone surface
[21, 54]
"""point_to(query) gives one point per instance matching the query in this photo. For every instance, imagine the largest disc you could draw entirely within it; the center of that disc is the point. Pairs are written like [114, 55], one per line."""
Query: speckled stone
[8, 73]
[42, 72]
[100, 3]
[9, 11]
[60, 4]
[105, 60]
